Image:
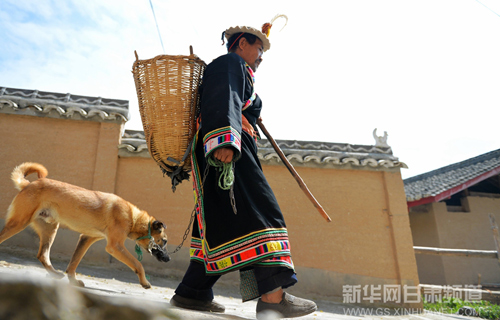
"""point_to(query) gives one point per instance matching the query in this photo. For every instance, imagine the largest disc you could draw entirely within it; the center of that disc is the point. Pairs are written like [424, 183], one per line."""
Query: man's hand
[224, 154]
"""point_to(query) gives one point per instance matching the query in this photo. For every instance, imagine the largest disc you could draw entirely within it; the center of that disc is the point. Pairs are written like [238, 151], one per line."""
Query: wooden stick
[293, 172]
[456, 252]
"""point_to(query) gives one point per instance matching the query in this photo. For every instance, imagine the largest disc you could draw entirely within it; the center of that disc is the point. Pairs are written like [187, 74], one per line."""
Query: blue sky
[426, 71]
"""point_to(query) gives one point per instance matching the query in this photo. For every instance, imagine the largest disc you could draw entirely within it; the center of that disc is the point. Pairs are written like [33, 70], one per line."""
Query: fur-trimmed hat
[262, 35]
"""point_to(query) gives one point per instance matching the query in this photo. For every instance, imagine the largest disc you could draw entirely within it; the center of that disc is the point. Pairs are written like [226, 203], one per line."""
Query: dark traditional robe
[256, 234]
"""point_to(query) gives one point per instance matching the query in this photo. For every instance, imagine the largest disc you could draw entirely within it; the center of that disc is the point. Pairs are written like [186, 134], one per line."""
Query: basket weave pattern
[167, 92]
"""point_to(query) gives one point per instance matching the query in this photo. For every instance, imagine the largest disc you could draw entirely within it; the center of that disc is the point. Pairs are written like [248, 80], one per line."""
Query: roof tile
[435, 182]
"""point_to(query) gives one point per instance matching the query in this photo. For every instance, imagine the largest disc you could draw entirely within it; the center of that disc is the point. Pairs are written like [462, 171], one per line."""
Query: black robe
[225, 240]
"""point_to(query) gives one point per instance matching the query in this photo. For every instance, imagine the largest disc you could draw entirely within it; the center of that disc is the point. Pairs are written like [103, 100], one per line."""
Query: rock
[34, 299]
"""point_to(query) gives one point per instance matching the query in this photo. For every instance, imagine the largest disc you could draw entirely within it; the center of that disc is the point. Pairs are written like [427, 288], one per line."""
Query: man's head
[247, 46]
[250, 43]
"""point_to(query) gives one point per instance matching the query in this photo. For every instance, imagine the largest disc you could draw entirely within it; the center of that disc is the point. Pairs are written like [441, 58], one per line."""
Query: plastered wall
[434, 226]
[369, 241]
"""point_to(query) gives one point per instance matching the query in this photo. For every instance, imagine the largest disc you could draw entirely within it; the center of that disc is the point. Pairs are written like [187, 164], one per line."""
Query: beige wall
[433, 226]
[368, 242]
[76, 152]
[425, 234]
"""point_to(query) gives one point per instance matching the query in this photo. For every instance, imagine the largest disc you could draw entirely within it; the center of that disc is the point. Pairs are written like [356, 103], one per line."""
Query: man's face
[251, 53]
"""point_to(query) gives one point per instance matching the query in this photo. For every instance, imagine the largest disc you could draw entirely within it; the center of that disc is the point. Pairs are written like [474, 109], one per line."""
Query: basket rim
[170, 57]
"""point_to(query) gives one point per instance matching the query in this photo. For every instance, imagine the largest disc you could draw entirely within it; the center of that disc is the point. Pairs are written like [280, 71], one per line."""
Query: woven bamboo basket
[167, 91]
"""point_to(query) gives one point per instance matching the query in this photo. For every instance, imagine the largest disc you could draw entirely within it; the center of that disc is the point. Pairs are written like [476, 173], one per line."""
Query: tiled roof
[62, 105]
[302, 153]
[446, 181]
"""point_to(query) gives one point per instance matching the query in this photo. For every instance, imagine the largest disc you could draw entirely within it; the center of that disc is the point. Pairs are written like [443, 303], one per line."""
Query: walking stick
[293, 172]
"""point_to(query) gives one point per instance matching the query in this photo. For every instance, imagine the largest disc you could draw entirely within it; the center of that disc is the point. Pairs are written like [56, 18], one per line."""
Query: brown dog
[46, 203]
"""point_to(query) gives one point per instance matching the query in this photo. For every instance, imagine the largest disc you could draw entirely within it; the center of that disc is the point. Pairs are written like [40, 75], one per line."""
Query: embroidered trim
[226, 136]
[267, 250]
[246, 241]
[196, 252]
[277, 261]
[254, 95]
[267, 247]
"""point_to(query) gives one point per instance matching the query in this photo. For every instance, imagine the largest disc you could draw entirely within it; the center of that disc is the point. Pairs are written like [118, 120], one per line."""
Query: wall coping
[59, 105]
[133, 144]
[300, 153]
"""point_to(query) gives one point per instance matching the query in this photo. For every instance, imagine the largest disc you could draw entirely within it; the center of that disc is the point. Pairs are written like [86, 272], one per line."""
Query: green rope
[139, 252]
[139, 257]
[226, 178]
[137, 247]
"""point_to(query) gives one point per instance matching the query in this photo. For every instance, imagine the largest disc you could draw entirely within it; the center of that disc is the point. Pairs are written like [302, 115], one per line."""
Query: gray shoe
[289, 307]
[199, 305]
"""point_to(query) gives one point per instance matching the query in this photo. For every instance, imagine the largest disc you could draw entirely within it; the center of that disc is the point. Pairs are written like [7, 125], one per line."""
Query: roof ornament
[380, 141]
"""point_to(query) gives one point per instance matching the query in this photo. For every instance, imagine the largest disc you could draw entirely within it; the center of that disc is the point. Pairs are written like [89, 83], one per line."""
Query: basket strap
[180, 168]
[188, 150]
[173, 160]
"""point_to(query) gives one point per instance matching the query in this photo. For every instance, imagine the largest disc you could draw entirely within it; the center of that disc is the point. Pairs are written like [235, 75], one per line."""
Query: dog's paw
[77, 283]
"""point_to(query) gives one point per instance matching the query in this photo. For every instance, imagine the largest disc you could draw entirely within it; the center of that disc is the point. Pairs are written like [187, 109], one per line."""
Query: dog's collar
[137, 247]
[149, 233]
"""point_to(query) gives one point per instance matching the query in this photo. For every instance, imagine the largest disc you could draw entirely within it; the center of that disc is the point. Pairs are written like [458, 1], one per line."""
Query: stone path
[120, 288]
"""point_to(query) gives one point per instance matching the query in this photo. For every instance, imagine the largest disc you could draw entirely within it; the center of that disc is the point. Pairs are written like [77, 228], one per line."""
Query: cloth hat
[262, 35]
[265, 41]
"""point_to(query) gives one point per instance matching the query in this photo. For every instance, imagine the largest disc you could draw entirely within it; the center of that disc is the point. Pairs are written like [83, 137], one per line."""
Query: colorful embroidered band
[254, 94]
[226, 136]
[267, 247]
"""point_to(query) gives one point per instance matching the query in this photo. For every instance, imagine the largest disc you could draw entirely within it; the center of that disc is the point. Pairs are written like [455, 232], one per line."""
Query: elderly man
[238, 225]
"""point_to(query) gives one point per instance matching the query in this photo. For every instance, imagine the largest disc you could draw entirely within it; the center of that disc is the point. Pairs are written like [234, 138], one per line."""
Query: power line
[156, 22]
[488, 8]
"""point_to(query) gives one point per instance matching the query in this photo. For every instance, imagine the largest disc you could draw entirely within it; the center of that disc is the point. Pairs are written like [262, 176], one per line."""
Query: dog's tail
[20, 172]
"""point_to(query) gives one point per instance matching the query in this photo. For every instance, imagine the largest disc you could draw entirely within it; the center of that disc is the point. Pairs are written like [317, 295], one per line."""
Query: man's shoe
[289, 307]
[194, 304]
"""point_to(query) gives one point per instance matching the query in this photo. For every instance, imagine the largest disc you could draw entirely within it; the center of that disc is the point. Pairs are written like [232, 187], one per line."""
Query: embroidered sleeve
[222, 99]
[223, 137]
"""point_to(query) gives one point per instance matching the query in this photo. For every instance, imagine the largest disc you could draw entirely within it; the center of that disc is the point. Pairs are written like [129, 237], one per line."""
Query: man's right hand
[224, 154]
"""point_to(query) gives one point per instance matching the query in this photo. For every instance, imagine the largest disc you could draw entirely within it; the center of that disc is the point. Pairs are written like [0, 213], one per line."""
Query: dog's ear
[158, 225]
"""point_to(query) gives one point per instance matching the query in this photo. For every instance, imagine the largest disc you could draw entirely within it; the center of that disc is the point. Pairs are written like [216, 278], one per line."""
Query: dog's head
[158, 243]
